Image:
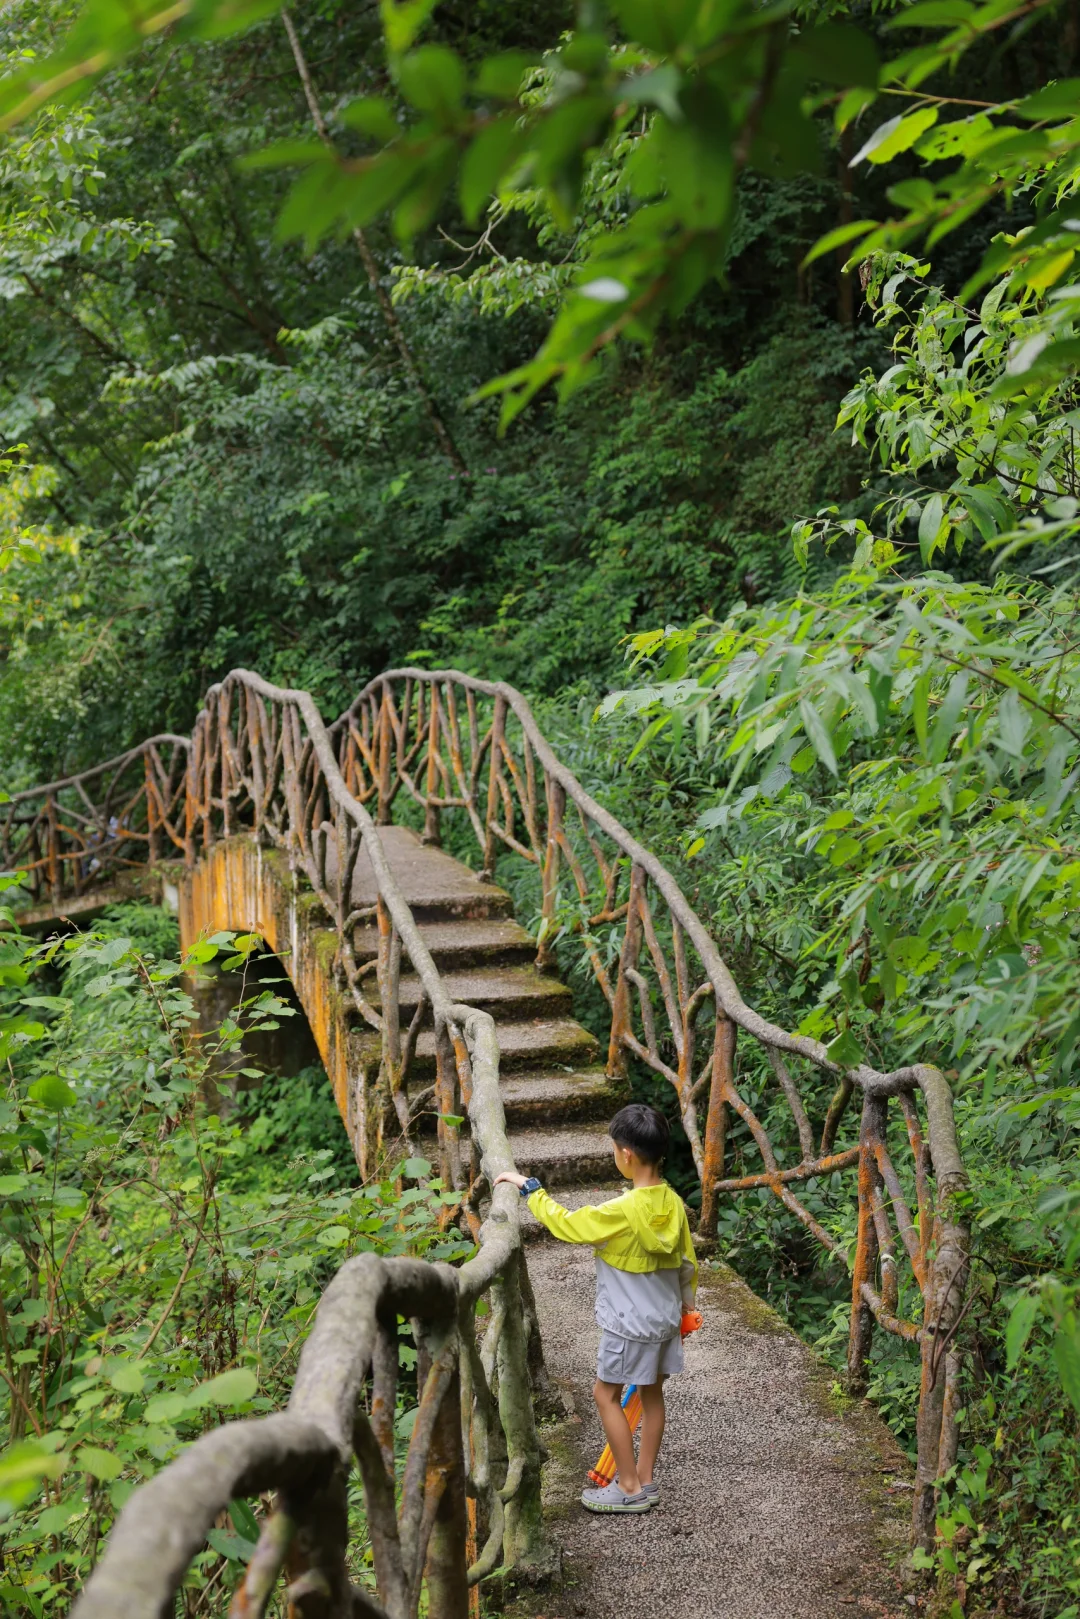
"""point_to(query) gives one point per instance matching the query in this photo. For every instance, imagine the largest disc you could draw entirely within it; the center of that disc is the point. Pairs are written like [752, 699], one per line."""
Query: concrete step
[563, 1154]
[555, 1092]
[573, 1095]
[535, 1044]
[436, 886]
[508, 993]
[583, 1096]
[463, 942]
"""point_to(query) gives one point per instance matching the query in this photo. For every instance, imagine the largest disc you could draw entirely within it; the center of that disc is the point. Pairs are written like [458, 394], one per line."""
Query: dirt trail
[779, 1500]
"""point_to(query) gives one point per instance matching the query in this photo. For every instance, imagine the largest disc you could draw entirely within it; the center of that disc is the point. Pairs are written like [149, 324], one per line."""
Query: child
[646, 1276]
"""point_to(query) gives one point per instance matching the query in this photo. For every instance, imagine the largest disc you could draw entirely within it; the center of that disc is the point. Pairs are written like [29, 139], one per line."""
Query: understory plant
[159, 1269]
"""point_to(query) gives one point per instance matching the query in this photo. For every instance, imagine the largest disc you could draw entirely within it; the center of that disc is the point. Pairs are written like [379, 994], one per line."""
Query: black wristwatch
[531, 1185]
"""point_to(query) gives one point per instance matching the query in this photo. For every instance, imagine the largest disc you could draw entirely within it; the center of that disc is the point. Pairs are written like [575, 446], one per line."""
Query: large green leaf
[402, 21]
[498, 145]
[233, 1388]
[1067, 1360]
[817, 734]
[23, 1467]
[101, 1464]
[433, 80]
[127, 1378]
[1022, 1318]
[894, 136]
[52, 1092]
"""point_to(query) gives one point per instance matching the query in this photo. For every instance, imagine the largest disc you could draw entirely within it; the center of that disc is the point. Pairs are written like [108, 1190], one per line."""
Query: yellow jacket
[645, 1229]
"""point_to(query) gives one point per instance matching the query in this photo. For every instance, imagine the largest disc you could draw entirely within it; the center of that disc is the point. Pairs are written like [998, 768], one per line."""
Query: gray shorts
[632, 1360]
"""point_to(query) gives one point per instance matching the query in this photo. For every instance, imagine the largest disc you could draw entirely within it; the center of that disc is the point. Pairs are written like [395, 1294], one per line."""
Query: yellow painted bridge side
[239, 886]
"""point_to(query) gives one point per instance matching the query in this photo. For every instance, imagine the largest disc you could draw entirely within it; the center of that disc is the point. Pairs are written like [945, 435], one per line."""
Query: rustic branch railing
[441, 742]
[73, 837]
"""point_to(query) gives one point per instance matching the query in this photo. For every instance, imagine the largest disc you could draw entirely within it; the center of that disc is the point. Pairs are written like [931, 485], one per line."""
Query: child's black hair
[643, 1129]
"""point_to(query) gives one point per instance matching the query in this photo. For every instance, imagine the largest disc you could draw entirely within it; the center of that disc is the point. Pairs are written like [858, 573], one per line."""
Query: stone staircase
[555, 1091]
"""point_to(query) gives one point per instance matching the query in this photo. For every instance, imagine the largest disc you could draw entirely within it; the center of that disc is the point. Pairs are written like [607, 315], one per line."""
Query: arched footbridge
[370, 854]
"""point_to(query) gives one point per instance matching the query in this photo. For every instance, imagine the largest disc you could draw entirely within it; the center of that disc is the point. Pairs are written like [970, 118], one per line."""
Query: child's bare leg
[608, 1397]
[652, 1428]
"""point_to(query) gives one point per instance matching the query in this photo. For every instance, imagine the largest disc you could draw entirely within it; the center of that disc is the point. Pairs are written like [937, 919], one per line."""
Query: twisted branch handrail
[70, 845]
[447, 743]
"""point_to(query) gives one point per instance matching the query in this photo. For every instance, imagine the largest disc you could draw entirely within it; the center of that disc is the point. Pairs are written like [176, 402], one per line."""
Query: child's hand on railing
[511, 1179]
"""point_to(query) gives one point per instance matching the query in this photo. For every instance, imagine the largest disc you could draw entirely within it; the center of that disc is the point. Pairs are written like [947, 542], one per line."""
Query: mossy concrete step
[564, 1157]
[508, 993]
[571, 1095]
[463, 942]
[562, 1154]
[535, 1044]
[434, 884]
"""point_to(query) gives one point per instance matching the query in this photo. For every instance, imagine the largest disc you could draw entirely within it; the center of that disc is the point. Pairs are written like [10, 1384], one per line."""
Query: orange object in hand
[604, 1471]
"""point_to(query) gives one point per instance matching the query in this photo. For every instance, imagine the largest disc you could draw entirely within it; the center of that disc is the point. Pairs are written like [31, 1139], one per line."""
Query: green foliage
[212, 406]
[21, 544]
[1027, 144]
[880, 776]
[292, 1120]
[977, 444]
[863, 775]
[149, 1284]
[370, 553]
[681, 103]
[703, 95]
[921, 740]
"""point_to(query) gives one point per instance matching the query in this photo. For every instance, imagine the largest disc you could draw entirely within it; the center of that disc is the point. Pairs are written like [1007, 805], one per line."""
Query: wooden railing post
[620, 1009]
[946, 1285]
[866, 1247]
[498, 727]
[524, 1540]
[191, 795]
[224, 728]
[53, 866]
[255, 750]
[446, 1097]
[534, 1344]
[388, 976]
[723, 1074]
[208, 779]
[446, 1569]
[384, 760]
[556, 808]
[431, 811]
[153, 818]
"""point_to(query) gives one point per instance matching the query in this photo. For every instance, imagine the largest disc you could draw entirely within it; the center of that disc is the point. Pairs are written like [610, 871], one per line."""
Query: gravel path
[779, 1501]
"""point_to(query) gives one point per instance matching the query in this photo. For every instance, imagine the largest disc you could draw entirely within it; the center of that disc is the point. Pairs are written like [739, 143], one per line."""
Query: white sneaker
[612, 1499]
